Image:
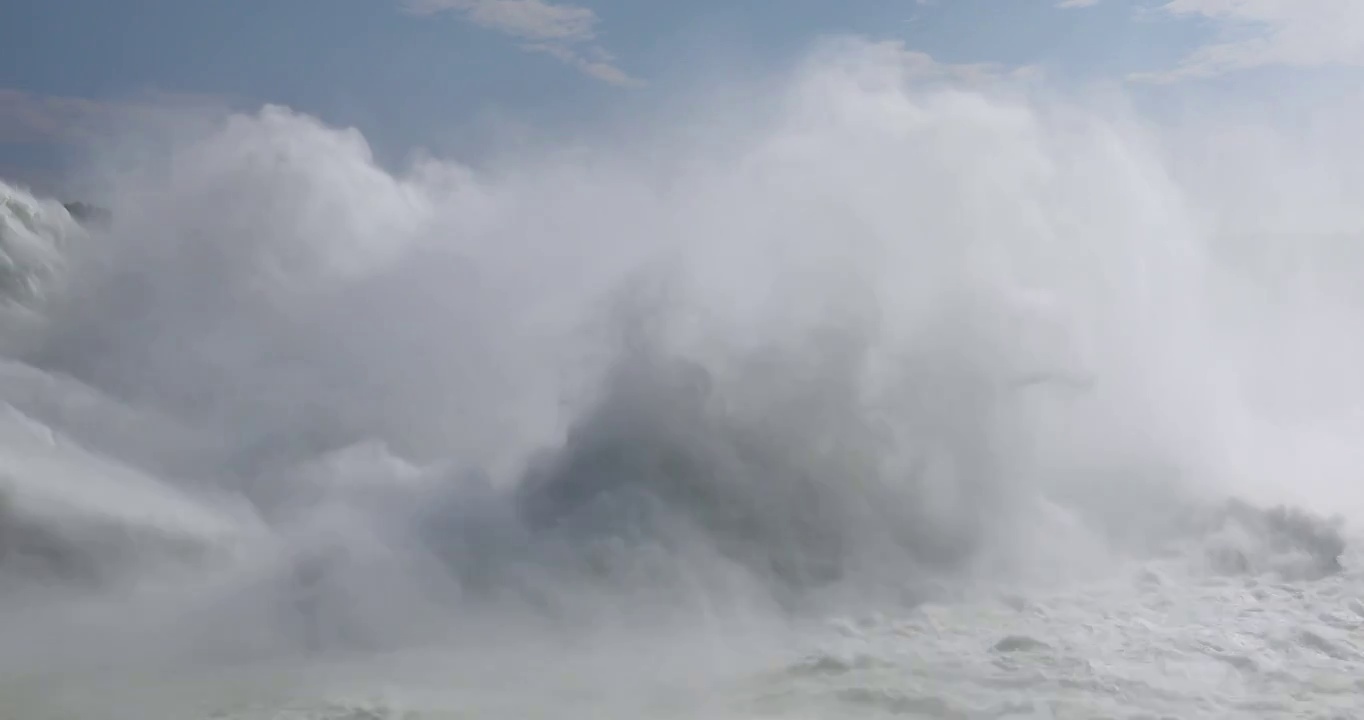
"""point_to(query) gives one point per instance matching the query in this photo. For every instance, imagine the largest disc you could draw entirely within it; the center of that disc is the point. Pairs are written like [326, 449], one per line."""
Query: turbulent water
[895, 397]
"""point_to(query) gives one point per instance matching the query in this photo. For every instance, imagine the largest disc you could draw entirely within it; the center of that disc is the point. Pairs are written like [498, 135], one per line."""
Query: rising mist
[897, 336]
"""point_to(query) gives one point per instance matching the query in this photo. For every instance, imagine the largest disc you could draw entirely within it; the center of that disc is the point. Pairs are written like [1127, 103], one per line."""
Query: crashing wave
[1242, 539]
[33, 237]
[68, 515]
[790, 467]
[857, 401]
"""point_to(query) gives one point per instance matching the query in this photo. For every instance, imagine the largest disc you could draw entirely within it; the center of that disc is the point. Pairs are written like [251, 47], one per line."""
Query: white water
[893, 397]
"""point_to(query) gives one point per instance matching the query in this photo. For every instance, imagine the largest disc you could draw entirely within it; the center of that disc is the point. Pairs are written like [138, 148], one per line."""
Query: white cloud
[565, 32]
[1076, 3]
[530, 19]
[1263, 33]
[594, 61]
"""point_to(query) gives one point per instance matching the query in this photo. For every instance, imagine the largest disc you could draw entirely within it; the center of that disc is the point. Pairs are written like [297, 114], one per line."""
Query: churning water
[903, 396]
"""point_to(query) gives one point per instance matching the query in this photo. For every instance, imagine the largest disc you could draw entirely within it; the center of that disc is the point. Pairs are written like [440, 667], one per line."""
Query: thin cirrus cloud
[567, 33]
[1251, 34]
[27, 118]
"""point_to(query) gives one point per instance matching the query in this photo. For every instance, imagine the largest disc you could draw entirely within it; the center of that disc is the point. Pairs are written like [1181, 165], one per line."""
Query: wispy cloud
[29, 118]
[36, 118]
[890, 61]
[1262, 33]
[921, 65]
[567, 33]
[1076, 3]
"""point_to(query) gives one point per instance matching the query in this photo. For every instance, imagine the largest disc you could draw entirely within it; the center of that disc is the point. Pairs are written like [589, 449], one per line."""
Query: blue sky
[410, 73]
